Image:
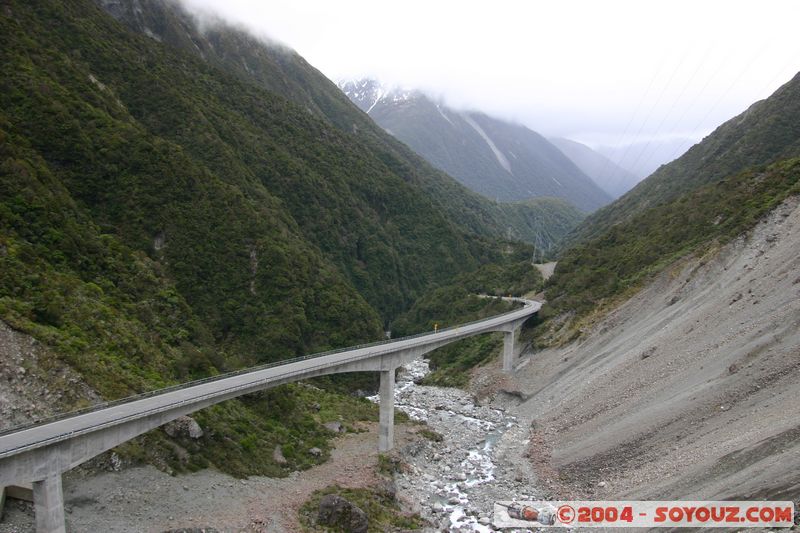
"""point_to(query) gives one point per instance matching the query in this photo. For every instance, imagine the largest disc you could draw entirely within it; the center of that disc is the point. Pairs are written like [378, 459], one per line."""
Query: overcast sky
[597, 71]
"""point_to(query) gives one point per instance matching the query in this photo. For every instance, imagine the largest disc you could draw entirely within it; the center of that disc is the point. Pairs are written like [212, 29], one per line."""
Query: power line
[635, 112]
[702, 91]
[756, 56]
[672, 108]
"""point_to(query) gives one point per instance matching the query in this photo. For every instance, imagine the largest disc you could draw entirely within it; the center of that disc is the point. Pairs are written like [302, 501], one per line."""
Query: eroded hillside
[687, 390]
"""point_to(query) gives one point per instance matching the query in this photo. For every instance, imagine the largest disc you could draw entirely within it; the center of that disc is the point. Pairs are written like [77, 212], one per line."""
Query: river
[454, 482]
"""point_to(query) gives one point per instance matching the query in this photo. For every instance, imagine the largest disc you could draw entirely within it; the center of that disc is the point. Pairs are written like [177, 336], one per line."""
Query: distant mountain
[178, 202]
[503, 161]
[644, 158]
[283, 72]
[716, 191]
[612, 178]
[768, 131]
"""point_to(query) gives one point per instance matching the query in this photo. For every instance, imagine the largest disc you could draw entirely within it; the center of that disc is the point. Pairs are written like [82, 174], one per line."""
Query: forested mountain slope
[714, 193]
[163, 217]
[498, 159]
[282, 71]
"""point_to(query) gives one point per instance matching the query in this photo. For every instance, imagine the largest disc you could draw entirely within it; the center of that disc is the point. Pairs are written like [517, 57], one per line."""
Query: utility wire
[608, 162]
[753, 59]
[653, 107]
[671, 109]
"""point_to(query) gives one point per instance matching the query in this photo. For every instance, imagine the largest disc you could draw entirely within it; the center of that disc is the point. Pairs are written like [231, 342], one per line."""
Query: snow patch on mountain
[501, 158]
[439, 109]
[368, 93]
[377, 99]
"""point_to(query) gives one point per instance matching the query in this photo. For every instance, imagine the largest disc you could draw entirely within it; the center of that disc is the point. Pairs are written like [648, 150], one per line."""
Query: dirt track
[689, 390]
[144, 499]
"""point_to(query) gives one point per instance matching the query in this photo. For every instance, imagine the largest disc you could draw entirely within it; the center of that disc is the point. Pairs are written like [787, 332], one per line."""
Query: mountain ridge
[718, 190]
[764, 133]
[284, 72]
[165, 218]
[503, 161]
[612, 178]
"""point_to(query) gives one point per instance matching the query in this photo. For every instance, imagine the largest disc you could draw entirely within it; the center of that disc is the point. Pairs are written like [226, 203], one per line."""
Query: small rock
[601, 484]
[184, 426]
[277, 455]
[338, 512]
[336, 427]
[453, 500]
[387, 489]
[316, 452]
[647, 353]
[437, 507]
[115, 462]
[484, 520]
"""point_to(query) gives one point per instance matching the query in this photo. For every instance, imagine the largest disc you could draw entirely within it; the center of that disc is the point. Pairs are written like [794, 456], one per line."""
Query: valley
[496, 158]
[256, 300]
[472, 446]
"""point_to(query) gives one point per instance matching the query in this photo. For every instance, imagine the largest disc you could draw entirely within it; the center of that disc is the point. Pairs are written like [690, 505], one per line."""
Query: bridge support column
[48, 502]
[509, 345]
[386, 420]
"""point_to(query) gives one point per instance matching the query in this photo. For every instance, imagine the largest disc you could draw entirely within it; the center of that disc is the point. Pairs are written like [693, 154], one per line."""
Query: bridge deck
[105, 415]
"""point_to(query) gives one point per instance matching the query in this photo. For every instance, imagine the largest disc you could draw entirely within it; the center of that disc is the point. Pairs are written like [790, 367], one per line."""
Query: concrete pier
[48, 502]
[43, 452]
[386, 420]
[509, 347]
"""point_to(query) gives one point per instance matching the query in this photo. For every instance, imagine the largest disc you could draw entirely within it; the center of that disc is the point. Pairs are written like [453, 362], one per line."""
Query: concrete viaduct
[39, 454]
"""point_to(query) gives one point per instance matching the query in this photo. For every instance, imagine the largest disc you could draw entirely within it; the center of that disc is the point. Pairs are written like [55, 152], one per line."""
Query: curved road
[41, 452]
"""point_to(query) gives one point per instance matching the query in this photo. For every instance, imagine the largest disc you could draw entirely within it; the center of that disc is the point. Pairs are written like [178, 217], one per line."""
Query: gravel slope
[691, 389]
[144, 499]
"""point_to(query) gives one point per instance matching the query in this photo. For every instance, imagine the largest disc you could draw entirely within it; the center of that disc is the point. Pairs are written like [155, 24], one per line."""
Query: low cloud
[588, 70]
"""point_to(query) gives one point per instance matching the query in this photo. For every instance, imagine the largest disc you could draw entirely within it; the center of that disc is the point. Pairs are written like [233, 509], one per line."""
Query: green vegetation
[767, 132]
[388, 465]
[449, 140]
[284, 72]
[165, 217]
[290, 416]
[460, 302]
[431, 435]
[543, 221]
[631, 251]
[110, 312]
[716, 191]
[382, 510]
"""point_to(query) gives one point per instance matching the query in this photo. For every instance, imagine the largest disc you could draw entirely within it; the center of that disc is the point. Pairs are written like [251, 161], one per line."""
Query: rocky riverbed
[454, 482]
